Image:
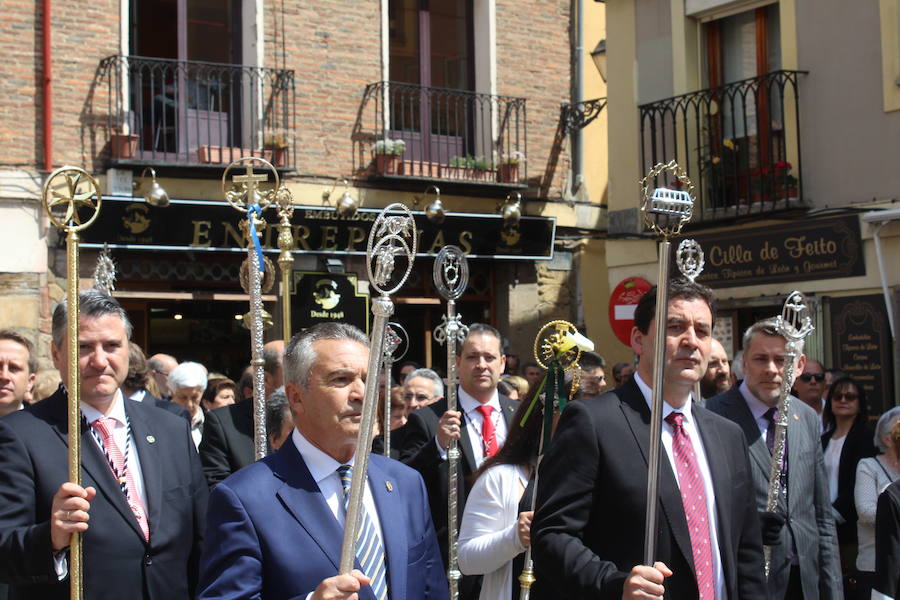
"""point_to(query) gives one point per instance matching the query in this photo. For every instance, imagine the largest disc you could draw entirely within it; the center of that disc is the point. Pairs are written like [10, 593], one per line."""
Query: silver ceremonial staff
[72, 200]
[451, 276]
[245, 195]
[665, 212]
[556, 343]
[391, 236]
[794, 324]
[690, 261]
[395, 338]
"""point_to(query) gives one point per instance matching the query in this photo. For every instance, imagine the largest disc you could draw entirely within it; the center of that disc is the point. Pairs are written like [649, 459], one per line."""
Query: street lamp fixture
[156, 195]
[598, 55]
[347, 205]
[511, 210]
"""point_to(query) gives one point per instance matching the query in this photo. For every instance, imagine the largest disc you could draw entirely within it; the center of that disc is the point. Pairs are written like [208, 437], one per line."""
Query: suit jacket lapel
[740, 412]
[465, 439]
[393, 529]
[637, 414]
[300, 496]
[148, 454]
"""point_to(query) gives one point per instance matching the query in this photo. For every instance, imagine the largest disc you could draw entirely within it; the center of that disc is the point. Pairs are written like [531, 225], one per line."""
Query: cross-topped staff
[557, 348]
[690, 260]
[284, 206]
[665, 212]
[794, 324]
[395, 338]
[246, 196]
[72, 200]
[451, 276]
[392, 236]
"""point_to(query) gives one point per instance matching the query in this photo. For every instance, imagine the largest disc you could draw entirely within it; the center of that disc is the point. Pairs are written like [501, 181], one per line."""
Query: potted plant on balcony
[508, 167]
[386, 153]
[276, 148]
[483, 169]
[123, 145]
[718, 170]
[786, 185]
[459, 167]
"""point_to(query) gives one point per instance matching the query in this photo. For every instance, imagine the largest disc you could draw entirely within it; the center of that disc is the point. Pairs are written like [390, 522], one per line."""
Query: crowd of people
[173, 504]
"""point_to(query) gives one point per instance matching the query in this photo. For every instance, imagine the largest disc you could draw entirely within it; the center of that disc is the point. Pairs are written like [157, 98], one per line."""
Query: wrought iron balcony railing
[197, 113]
[739, 143]
[411, 131]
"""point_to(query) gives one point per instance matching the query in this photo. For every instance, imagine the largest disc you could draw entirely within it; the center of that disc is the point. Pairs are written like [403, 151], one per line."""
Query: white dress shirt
[690, 429]
[475, 423]
[757, 408]
[488, 536]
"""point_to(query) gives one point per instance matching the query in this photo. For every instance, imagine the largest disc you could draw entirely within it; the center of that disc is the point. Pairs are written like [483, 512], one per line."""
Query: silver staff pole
[395, 339]
[245, 195]
[665, 213]
[690, 261]
[451, 276]
[391, 236]
[794, 324]
[557, 343]
[72, 200]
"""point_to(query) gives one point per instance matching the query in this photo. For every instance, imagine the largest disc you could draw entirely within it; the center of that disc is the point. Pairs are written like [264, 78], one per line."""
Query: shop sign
[320, 297]
[861, 340]
[798, 251]
[196, 225]
[622, 303]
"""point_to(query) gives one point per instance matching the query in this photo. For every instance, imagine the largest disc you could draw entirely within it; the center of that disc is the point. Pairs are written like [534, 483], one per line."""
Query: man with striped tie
[275, 527]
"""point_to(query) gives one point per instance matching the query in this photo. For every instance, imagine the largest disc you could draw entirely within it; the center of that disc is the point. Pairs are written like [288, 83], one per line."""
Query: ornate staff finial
[105, 272]
[666, 210]
[690, 259]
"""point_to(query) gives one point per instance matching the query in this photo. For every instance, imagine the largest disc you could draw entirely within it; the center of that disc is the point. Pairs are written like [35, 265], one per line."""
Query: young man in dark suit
[805, 561]
[588, 531]
[142, 525]
[275, 527]
[429, 430]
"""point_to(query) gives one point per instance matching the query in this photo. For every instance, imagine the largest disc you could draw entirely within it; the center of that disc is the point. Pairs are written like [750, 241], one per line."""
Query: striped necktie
[369, 550]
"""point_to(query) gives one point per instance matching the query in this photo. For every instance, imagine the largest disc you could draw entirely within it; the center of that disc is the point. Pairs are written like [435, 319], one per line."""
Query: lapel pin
[796, 418]
[151, 439]
[389, 486]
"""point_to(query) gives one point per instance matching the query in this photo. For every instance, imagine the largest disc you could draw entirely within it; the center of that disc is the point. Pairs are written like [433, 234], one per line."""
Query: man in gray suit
[805, 560]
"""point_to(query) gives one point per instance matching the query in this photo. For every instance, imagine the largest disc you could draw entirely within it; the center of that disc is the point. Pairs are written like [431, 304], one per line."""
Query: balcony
[405, 133]
[739, 143]
[195, 114]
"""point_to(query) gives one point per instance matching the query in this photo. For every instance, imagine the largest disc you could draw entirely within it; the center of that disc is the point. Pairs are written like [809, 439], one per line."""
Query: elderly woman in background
[847, 440]
[219, 392]
[188, 382]
[872, 476]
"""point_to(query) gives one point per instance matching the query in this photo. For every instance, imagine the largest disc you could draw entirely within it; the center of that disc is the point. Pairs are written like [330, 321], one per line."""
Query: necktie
[488, 435]
[119, 466]
[693, 498]
[369, 551]
[769, 416]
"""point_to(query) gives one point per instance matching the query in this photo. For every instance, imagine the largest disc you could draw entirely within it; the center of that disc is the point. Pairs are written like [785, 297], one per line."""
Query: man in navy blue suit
[275, 527]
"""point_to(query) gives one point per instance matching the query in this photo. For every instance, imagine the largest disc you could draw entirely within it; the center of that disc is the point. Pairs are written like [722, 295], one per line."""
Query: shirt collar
[320, 465]
[469, 404]
[116, 411]
[138, 396]
[757, 407]
[667, 408]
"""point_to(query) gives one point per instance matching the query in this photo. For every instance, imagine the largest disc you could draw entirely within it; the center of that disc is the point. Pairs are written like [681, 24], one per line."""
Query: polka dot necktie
[369, 550]
[693, 498]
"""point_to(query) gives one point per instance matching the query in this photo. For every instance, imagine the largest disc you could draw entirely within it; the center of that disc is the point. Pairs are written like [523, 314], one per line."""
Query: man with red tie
[588, 531]
[481, 425]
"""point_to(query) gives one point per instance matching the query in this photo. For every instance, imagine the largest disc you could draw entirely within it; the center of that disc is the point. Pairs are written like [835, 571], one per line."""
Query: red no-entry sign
[622, 303]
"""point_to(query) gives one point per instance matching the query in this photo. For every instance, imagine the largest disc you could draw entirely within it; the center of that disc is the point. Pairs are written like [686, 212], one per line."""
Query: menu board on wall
[861, 340]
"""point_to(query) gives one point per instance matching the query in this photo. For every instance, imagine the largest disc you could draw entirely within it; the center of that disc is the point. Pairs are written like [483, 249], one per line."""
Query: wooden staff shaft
[74, 409]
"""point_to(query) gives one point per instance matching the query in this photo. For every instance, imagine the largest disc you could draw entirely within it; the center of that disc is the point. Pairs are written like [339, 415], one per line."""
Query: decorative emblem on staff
[105, 272]
[794, 324]
[665, 213]
[395, 338]
[557, 348]
[284, 206]
[72, 200]
[246, 196]
[690, 260]
[391, 236]
[451, 276]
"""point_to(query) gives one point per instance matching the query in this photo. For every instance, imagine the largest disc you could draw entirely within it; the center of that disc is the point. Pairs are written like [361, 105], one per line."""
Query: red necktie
[693, 498]
[123, 476]
[488, 435]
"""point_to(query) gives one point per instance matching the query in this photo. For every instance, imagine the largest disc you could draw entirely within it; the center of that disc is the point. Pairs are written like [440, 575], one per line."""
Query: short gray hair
[277, 411]
[188, 375]
[92, 304]
[885, 425]
[765, 327]
[272, 360]
[300, 356]
[428, 374]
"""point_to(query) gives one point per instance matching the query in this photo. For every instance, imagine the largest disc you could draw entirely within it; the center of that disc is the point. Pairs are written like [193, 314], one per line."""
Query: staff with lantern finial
[396, 343]
[244, 194]
[284, 206]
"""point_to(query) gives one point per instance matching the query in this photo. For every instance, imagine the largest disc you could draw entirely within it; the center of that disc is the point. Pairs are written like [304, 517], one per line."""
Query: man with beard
[718, 373]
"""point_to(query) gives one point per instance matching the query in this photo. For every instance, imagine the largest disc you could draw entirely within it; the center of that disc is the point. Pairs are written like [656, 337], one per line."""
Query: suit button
[148, 560]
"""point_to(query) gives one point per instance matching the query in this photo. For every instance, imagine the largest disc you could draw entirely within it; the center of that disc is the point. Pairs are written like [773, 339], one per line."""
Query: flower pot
[387, 164]
[277, 154]
[508, 172]
[123, 145]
